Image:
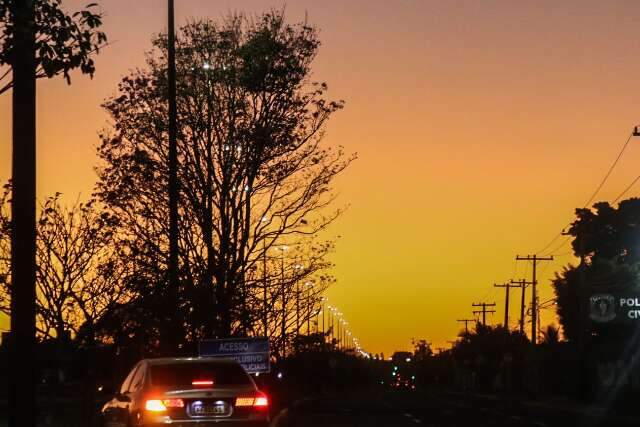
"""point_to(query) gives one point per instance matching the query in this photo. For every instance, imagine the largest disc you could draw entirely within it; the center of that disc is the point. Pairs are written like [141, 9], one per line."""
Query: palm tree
[551, 335]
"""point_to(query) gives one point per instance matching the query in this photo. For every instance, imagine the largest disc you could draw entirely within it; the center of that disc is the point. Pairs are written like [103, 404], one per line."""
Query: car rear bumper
[218, 423]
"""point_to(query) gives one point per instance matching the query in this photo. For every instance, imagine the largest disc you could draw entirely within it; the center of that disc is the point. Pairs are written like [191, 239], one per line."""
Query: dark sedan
[186, 392]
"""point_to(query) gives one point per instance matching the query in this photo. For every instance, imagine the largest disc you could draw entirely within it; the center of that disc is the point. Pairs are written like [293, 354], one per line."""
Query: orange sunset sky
[480, 126]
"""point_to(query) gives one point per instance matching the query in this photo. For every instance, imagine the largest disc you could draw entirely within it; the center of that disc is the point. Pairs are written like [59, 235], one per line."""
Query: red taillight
[244, 401]
[173, 403]
[261, 401]
[161, 405]
[155, 405]
[258, 401]
[201, 383]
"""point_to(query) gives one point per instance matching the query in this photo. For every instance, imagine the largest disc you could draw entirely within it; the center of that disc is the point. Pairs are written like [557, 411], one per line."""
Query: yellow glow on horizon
[479, 129]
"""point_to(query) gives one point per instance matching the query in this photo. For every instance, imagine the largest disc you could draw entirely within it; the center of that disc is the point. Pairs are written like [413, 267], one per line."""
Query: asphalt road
[437, 410]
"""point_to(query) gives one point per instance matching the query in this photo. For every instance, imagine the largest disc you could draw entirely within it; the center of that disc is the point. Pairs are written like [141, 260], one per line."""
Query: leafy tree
[607, 241]
[484, 350]
[63, 42]
[421, 350]
[254, 176]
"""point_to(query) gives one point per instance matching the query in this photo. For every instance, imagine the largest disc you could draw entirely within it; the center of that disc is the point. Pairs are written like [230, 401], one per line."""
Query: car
[185, 392]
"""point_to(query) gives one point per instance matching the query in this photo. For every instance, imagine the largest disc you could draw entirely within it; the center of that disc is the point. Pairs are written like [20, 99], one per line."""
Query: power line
[634, 182]
[613, 165]
[601, 185]
[550, 243]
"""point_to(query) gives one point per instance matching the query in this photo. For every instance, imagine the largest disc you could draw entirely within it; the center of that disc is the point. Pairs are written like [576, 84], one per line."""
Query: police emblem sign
[603, 308]
[619, 308]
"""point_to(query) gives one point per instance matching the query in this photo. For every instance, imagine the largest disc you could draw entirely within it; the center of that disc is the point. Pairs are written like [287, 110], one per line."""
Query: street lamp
[297, 267]
[265, 302]
[283, 249]
[309, 286]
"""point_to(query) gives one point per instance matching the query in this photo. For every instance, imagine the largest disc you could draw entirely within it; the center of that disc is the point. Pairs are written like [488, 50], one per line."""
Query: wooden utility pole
[466, 323]
[535, 259]
[507, 288]
[22, 403]
[523, 285]
[484, 310]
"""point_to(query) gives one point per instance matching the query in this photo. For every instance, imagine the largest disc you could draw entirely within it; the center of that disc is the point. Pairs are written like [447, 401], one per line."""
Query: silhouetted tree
[421, 350]
[485, 349]
[607, 241]
[254, 175]
[79, 271]
[551, 336]
[63, 41]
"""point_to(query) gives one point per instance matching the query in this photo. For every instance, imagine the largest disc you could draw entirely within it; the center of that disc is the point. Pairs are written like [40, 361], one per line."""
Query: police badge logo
[602, 308]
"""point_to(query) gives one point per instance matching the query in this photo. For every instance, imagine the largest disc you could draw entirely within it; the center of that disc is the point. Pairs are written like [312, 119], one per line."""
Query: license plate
[209, 409]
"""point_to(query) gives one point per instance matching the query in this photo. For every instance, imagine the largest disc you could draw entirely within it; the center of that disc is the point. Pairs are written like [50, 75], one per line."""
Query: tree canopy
[607, 240]
[255, 177]
[63, 41]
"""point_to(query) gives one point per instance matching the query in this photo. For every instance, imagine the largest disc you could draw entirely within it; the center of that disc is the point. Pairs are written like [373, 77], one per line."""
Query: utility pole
[466, 323]
[507, 288]
[484, 310]
[535, 259]
[523, 285]
[22, 393]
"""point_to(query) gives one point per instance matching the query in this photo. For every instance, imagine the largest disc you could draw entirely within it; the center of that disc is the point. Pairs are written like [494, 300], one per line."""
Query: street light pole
[323, 308]
[284, 305]
[173, 163]
[309, 286]
[265, 314]
[309, 309]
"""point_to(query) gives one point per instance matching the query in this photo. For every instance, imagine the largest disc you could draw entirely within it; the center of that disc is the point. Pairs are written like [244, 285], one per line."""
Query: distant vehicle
[403, 384]
[186, 392]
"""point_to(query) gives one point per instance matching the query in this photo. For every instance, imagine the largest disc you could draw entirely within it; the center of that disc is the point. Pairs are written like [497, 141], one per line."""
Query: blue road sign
[252, 353]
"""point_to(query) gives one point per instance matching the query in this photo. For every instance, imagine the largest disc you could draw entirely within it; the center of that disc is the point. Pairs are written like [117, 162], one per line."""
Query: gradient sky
[480, 126]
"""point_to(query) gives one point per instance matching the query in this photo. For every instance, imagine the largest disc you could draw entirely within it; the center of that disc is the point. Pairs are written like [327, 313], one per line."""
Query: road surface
[436, 410]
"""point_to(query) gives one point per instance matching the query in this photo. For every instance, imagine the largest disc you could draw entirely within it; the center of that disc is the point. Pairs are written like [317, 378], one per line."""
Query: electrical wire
[593, 196]
[629, 187]
[606, 177]
[560, 246]
[600, 186]
[549, 244]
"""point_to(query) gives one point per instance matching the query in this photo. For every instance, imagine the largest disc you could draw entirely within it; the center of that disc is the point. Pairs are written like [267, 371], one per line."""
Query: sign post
[252, 353]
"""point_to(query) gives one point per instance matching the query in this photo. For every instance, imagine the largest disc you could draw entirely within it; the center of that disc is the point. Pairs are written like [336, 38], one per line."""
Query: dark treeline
[593, 355]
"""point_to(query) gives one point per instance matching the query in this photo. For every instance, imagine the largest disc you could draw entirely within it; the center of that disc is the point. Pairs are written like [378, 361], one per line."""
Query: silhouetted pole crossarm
[535, 259]
[522, 284]
[484, 310]
[466, 323]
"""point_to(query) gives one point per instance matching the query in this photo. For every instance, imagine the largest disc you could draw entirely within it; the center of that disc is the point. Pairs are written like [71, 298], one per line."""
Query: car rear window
[184, 374]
